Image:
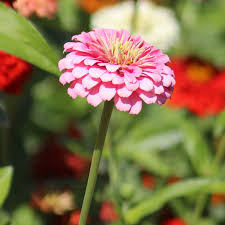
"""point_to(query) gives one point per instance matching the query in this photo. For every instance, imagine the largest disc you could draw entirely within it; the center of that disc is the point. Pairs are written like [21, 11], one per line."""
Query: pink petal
[122, 104]
[65, 63]
[124, 92]
[155, 77]
[118, 79]
[131, 86]
[147, 97]
[66, 77]
[68, 46]
[80, 90]
[80, 71]
[136, 104]
[90, 62]
[88, 82]
[94, 97]
[146, 84]
[107, 76]
[107, 91]
[166, 81]
[112, 67]
[158, 89]
[71, 92]
[96, 72]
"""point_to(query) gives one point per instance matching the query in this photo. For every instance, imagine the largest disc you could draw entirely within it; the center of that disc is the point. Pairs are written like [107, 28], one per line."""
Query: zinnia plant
[118, 68]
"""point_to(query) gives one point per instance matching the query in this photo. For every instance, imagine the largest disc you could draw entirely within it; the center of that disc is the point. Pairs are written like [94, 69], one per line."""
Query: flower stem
[103, 127]
[134, 17]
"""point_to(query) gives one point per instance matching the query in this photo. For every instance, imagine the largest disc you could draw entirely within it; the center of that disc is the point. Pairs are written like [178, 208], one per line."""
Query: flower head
[148, 180]
[13, 73]
[42, 8]
[156, 24]
[107, 64]
[198, 80]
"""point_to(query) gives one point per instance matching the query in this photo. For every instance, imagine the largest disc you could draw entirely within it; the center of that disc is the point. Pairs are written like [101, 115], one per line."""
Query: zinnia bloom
[13, 73]
[156, 24]
[42, 8]
[175, 221]
[199, 87]
[108, 213]
[106, 64]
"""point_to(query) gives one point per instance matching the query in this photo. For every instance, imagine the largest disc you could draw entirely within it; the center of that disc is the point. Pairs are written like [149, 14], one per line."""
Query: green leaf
[19, 37]
[68, 15]
[196, 148]
[219, 128]
[4, 218]
[180, 189]
[5, 181]
[25, 215]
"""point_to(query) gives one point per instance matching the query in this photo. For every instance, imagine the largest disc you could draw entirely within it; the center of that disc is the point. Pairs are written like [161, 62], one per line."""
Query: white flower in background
[156, 24]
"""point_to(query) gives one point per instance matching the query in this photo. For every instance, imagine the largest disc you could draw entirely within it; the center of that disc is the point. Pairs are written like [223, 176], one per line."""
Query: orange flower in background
[14, 72]
[217, 198]
[200, 88]
[91, 6]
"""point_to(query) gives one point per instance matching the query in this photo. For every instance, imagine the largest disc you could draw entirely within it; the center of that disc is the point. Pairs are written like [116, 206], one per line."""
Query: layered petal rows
[107, 64]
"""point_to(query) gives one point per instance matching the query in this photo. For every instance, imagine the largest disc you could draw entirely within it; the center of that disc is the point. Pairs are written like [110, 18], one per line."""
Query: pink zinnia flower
[42, 8]
[107, 64]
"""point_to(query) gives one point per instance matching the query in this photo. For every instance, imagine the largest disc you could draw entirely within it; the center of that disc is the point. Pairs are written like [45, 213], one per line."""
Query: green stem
[200, 204]
[103, 127]
[134, 17]
[219, 153]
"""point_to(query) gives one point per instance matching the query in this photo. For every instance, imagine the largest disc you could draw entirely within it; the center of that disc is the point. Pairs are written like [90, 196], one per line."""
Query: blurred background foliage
[163, 167]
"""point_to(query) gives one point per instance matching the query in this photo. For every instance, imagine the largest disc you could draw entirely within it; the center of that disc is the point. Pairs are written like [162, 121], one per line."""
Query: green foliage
[180, 189]
[3, 116]
[5, 182]
[219, 128]
[4, 218]
[197, 148]
[24, 214]
[19, 37]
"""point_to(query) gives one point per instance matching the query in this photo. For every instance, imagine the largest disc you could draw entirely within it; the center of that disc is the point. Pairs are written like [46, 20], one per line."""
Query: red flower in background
[13, 73]
[108, 213]
[7, 2]
[55, 160]
[199, 87]
[174, 221]
[148, 181]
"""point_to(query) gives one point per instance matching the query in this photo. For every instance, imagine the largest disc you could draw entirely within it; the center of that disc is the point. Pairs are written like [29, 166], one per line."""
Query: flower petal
[122, 104]
[107, 91]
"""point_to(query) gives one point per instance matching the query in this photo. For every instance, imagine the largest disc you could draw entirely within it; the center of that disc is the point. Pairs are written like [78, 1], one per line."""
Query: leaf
[180, 189]
[219, 128]
[19, 37]
[68, 15]
[25, 215]
[196, 148]
[5, 181]
[4, 218]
